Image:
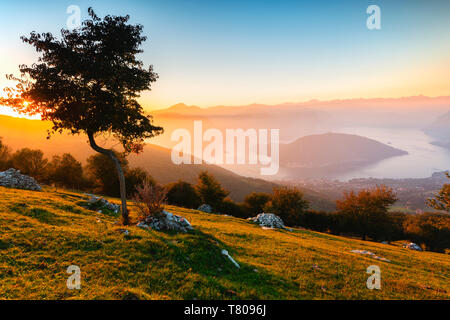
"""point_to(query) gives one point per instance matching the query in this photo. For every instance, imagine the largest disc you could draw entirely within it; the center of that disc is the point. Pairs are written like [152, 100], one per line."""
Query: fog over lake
[423, 158]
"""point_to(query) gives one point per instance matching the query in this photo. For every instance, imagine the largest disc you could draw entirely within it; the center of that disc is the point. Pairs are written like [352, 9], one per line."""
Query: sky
[231, 52]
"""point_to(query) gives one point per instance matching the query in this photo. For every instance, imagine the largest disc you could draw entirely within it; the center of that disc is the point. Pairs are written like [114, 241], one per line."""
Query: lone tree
[88, 82]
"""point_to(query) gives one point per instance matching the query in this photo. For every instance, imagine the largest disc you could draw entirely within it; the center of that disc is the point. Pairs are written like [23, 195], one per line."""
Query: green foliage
[288, 204]
[231, 208]
[441, 201]
[66, 171]
[255, 202]
[135, 177]
[101, 171]
[183, 194]
[5, 154]
[210, 190]
[89, 80]
[430, 229]
[366, 213]
[31, 163]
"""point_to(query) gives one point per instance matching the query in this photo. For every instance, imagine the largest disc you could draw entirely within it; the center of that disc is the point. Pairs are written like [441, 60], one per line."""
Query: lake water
[423, 158]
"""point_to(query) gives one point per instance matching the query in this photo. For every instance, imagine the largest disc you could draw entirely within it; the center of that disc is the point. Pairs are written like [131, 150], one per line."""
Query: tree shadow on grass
[201, 254]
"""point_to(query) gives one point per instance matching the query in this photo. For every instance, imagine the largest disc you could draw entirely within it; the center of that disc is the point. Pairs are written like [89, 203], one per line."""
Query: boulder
[12, 178]
[166, 221]
[205, 208]
[268, 220]
[99, 203]
[413, 246]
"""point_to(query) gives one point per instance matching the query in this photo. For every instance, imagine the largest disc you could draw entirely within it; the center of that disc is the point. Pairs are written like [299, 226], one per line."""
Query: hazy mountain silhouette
[331, 153]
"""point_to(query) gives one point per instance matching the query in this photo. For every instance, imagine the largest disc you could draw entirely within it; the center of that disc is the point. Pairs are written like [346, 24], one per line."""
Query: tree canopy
[88, 81]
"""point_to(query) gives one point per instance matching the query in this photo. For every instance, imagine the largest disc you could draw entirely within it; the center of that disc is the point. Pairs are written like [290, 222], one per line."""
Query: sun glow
[7, 111]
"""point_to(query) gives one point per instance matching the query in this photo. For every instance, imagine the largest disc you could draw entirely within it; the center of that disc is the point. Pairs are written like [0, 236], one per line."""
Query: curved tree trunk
[112, 156]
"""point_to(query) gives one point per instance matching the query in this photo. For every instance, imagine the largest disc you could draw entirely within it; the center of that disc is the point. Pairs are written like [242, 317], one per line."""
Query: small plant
[149, 200]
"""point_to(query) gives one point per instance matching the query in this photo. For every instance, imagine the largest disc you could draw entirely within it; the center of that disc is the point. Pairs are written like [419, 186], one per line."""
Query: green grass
[42, 233]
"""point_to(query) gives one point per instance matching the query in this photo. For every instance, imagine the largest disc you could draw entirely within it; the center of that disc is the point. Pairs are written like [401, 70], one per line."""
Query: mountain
[297, 119]
[19, 133]
[330, 153]
[440, 130]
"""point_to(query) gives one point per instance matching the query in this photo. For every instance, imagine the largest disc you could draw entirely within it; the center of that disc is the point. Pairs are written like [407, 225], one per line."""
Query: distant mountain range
[296, 120]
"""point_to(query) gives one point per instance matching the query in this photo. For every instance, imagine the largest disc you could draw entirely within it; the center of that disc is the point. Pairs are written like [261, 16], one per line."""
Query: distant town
[412, 192]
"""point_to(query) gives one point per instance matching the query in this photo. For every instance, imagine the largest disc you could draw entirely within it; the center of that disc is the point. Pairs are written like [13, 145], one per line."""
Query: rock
[124, 231]
[100, 204]
[166, 221]
[225, 253]
[205, 208]
[268, 220]
[12, 178]
[413, 246]
[370, 254]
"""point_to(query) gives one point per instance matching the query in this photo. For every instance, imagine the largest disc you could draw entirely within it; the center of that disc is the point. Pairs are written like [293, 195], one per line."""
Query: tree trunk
[123, 194]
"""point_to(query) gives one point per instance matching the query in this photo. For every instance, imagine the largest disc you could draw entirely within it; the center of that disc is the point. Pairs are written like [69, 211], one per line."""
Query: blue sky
[240, 52]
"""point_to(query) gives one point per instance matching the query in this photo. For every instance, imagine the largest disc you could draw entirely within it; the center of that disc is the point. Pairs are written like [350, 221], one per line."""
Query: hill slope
[42, 233]
[19, 133]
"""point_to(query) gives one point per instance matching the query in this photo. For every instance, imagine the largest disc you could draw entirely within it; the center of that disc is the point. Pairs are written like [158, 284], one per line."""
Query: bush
[31, 163]
[101, 172]
[429, 229]
[183, 194]
[316, 220]
[149, 200]
[5, 155]
[231, 208]
[366, 213]
[66, 171]
[136, 177]
[255, 202]
[288, 204]
[210, 190]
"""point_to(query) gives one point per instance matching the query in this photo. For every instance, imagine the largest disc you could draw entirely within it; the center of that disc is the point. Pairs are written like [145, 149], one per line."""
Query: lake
[423, 158]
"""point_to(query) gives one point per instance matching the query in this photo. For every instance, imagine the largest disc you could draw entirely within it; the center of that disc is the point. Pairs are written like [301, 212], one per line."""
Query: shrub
[136, 177]
[66, 171]
[149, 200]
[31, 162]
[231, 208]
[288, 204]
[101, 171]
[5, 155]
[366, 213]
[183, 194]
[210, 190]
[429, 229]
[254, 202]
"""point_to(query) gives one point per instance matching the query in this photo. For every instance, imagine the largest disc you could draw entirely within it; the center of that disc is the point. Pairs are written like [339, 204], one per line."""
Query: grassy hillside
[42, 233]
